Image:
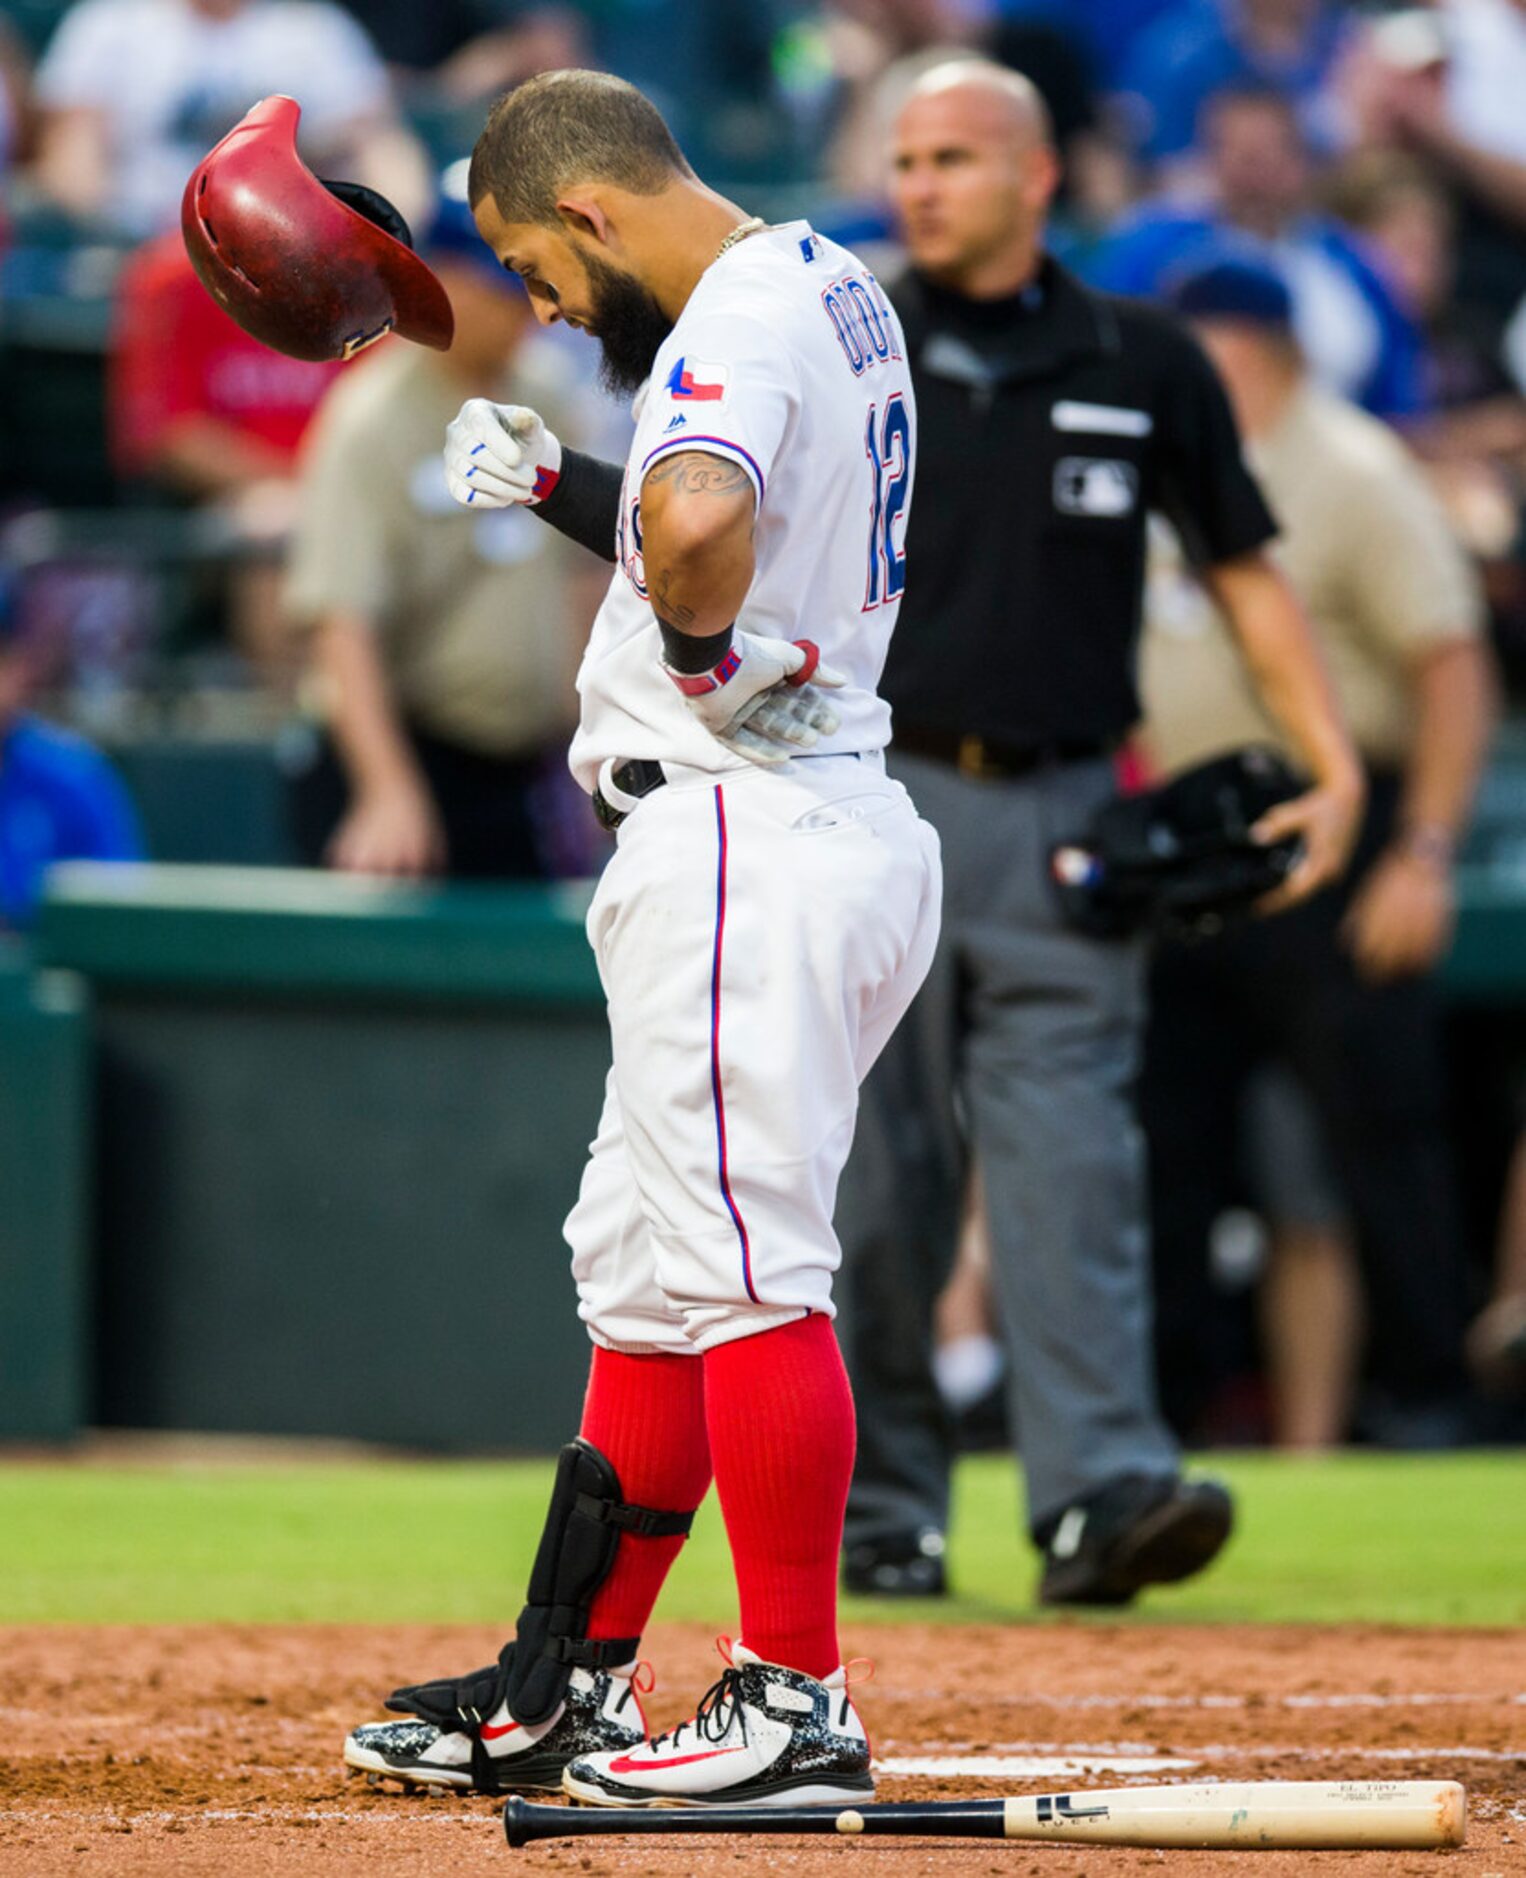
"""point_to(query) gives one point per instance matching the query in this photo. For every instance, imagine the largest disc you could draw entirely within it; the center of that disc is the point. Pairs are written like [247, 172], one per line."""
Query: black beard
[628, 324]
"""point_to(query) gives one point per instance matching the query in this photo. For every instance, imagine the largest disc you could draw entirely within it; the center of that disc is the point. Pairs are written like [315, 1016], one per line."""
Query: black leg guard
[577, 1550]
[460, 1705]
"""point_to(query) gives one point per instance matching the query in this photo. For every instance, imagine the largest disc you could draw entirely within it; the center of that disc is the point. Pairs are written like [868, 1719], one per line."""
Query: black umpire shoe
[902, 1565]
[1139, 1531]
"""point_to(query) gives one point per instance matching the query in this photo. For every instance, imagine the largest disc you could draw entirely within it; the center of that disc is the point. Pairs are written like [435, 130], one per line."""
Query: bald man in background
[1051, 420]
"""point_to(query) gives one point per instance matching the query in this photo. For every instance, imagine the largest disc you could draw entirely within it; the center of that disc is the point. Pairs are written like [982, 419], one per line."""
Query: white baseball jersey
[789, 361]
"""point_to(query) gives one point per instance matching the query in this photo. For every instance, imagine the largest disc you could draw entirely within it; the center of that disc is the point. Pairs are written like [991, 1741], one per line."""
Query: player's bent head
[570, 186]
[563, 129]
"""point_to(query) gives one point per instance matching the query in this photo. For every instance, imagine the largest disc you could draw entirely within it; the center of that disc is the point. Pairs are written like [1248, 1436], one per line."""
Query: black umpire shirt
[1050, 424]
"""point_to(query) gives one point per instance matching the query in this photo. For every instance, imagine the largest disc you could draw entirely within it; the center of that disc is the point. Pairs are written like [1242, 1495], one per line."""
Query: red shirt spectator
[195, 401]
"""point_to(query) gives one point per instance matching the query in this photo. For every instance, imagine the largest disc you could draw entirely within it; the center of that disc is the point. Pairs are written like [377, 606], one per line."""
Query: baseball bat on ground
[1261, 1815]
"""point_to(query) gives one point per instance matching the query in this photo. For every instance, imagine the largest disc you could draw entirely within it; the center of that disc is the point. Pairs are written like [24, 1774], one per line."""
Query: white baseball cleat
[492, 1753]
[763, 1736]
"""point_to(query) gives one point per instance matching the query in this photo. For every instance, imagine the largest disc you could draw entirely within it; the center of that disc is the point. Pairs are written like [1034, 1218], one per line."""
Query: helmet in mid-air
[314, 269]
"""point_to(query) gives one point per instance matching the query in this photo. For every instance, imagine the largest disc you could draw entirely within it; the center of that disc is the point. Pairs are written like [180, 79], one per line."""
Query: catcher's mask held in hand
[316, 270]
[1179, 859]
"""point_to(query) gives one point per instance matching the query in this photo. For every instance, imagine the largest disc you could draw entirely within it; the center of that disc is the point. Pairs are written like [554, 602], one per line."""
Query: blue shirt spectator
[60, 800]
[1352, 331]
[1188, 55]
[1357, 337]
[1109, 30]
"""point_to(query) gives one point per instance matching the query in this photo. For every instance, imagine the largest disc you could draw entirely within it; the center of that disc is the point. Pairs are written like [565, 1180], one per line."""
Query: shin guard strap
[644, 1521]
[586, 1653]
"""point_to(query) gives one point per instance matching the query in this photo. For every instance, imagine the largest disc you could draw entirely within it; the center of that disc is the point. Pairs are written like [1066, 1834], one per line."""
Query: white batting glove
[497, 455]
[764, 699]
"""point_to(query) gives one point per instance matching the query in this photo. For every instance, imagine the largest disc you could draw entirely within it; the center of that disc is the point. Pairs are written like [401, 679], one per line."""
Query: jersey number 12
[887, 444]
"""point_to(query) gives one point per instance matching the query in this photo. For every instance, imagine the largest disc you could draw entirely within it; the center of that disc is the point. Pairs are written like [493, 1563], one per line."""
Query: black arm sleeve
[585, 504]
[1210, 496]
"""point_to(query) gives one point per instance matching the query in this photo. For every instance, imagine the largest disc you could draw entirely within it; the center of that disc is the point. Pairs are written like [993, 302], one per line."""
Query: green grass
[1356, 1538]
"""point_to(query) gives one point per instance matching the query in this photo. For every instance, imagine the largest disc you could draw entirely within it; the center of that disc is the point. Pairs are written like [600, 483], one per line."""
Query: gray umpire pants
[1023, 1046]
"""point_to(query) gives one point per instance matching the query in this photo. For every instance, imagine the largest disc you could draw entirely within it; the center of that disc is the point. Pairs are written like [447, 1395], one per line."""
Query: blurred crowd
[198, 533]
[1377, 152]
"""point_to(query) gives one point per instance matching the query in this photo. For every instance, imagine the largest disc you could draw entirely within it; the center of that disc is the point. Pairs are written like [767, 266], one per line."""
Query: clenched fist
[497, 455]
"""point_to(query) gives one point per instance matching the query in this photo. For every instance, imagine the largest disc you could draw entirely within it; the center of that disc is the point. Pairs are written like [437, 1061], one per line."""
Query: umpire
[1051, 419]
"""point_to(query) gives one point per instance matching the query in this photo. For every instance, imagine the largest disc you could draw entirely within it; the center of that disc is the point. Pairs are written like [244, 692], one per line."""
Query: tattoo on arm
[708, 566]
[696, 473]
[671, 611]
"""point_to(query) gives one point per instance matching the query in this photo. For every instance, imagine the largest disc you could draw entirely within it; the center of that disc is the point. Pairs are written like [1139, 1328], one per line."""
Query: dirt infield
[215, 1750]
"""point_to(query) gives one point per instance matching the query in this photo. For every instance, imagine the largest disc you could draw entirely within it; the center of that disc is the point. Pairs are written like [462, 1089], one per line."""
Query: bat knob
[516, 1824]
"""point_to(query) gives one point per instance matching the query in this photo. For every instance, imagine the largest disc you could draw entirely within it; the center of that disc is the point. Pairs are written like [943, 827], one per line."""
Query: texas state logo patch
[698, 381]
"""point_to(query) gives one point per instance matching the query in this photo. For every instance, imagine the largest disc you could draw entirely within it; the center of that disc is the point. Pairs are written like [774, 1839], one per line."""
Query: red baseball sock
[782, 1437]
[646, 1415]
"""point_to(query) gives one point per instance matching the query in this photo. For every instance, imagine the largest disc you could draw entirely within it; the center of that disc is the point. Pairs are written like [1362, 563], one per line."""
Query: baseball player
[770, 910]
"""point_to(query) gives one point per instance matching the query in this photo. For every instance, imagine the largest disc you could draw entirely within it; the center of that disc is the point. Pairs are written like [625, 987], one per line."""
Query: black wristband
[585, 504]
[686, 653]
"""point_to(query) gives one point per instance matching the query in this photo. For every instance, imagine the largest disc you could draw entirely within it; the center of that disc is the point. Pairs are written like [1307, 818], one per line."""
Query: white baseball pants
[759, 936]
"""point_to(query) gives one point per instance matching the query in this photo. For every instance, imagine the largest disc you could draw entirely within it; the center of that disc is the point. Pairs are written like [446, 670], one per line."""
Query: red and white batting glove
[764, 698]
[497, 455]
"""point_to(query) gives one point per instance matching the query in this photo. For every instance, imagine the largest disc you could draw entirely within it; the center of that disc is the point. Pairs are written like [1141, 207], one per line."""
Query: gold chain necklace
[740, 233]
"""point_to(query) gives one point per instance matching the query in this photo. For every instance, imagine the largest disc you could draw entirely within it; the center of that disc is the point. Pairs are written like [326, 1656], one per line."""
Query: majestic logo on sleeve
[697, 381]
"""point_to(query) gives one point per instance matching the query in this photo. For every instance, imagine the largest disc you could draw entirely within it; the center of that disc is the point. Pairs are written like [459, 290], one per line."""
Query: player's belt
[995, 759]
[631, 780]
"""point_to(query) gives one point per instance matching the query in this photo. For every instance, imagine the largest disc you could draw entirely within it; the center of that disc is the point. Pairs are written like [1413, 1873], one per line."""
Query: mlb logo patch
[697, 381]
[1095, 485]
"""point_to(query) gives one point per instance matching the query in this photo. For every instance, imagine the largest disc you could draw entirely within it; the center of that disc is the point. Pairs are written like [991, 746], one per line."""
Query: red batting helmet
[314, 269]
